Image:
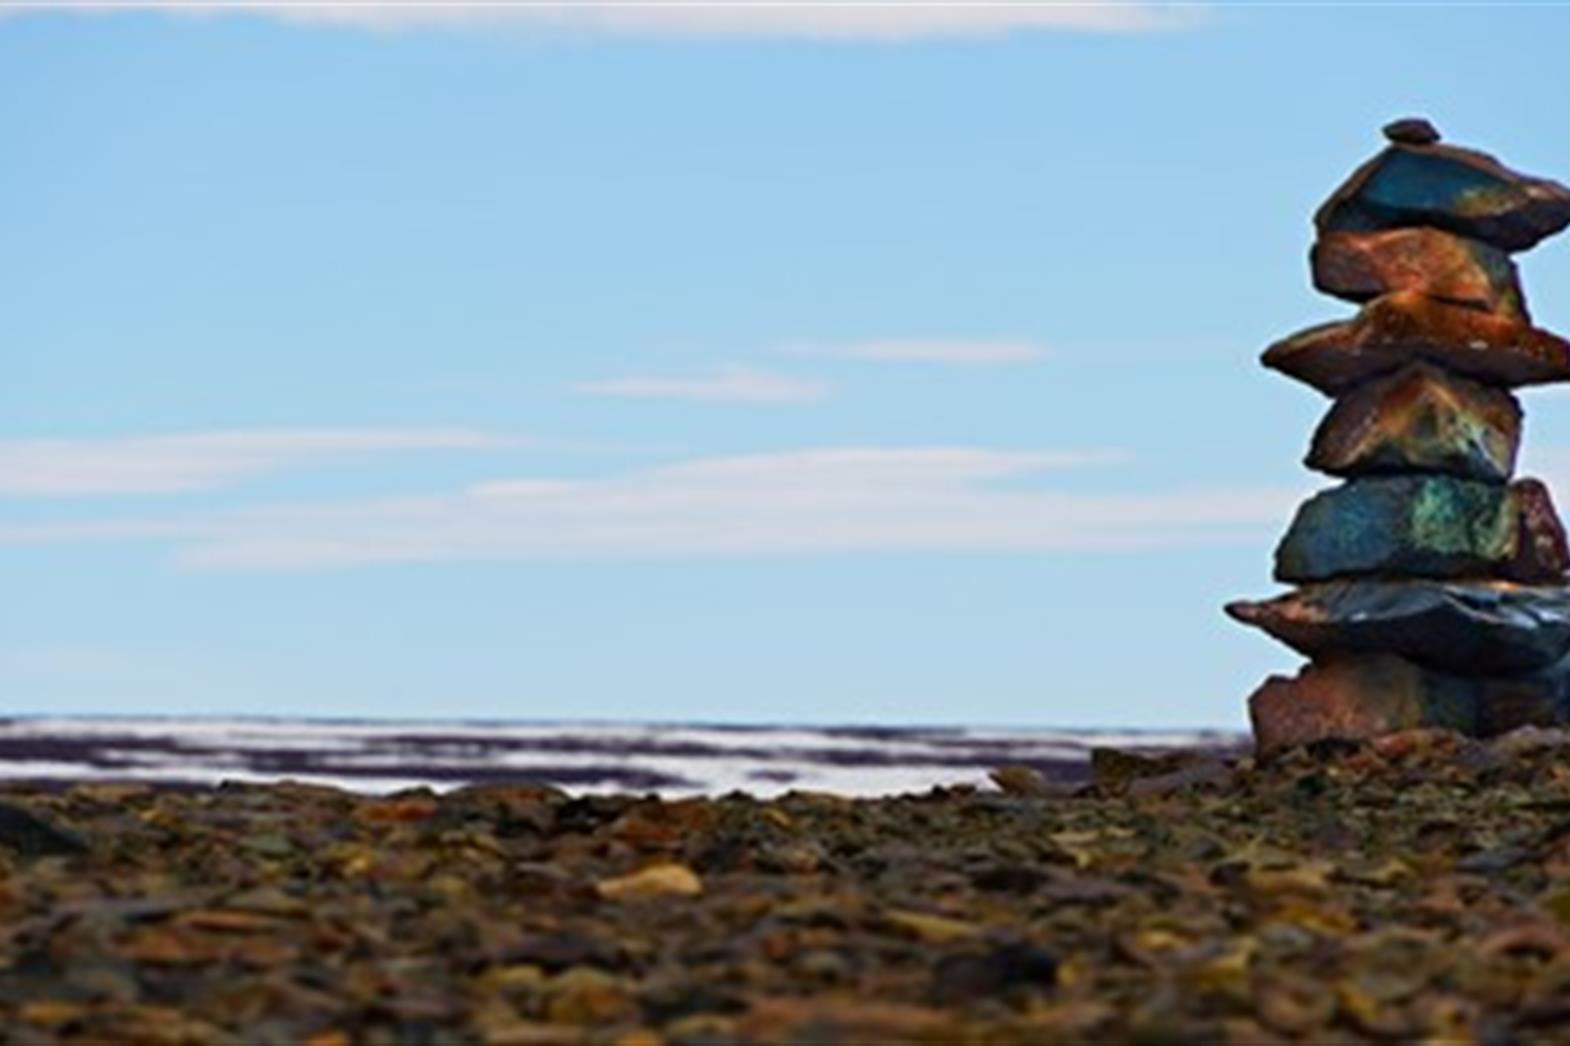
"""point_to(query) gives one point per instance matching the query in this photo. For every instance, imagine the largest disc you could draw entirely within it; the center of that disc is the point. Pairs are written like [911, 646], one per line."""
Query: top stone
[1411, 130]
[1417, 181]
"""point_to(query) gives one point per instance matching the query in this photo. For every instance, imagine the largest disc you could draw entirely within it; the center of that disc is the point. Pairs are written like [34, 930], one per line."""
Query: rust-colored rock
[1402, 327]
[1420, 419]
[1363, 696]
[1361, 266]
[1356, 697]
[1542, 555]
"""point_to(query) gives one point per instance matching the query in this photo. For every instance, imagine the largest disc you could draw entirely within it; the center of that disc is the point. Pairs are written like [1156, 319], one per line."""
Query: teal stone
[1459, 190]
[1400, 526]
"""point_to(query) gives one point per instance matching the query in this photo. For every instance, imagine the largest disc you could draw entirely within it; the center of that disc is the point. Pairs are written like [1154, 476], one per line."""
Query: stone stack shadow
[1431, 584]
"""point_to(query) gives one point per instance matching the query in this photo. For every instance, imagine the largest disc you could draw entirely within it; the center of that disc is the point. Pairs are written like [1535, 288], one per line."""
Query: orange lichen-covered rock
[1405, 326]
[1420, 419]
[1360, 266]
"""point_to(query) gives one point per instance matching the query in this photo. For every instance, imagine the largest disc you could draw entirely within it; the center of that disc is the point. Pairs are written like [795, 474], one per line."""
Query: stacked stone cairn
[1431, 584]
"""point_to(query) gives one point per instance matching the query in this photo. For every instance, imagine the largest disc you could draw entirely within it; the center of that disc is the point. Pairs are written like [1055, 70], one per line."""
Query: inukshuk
[1431, 585]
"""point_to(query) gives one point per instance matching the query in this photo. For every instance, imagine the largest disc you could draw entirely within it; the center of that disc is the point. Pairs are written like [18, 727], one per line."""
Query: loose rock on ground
[1417, 886]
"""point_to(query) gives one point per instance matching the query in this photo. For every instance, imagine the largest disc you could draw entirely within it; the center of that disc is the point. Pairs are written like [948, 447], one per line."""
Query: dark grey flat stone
[1465, 627]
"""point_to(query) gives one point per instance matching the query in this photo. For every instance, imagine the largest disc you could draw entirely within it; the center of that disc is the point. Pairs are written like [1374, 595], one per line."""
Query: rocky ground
[1415, 888]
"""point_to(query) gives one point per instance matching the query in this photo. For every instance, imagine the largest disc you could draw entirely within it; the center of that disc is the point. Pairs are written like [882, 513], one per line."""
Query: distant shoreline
[380, 756]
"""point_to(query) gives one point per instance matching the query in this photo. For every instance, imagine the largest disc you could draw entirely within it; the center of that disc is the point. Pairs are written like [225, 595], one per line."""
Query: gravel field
[1414, 889]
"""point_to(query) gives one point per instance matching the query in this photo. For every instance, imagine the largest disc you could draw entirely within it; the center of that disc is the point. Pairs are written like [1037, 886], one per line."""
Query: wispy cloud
[809, 501]
[58, 661]
[725, 385]
[878, 20]
[972, 352]
[168, 463]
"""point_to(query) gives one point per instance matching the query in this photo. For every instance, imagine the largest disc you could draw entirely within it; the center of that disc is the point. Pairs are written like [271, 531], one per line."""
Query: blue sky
[765, 364]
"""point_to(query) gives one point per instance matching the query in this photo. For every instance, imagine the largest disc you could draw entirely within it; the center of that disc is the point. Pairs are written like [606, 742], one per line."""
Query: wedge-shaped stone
[1402, 526]
[1461, 190]
[1361, 266]
[1542, 556]
[1405, 326]
[1420, 419]
[1465, 627]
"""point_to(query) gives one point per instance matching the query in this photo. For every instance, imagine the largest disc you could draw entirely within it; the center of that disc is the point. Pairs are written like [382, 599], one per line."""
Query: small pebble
[660, 880]
[1411, 130]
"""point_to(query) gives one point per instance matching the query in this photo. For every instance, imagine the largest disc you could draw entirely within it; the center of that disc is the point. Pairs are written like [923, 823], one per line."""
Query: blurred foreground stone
[1409, 889]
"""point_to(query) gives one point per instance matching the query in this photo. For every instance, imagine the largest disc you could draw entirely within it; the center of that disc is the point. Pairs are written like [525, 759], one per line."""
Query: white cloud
[725, 385]
[167, 463]
[881, 20]
[811, 501]
[920, 350]
[885, 466]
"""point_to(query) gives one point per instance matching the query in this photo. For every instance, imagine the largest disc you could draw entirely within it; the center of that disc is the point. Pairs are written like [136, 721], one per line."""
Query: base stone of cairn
[1353, 696]
[1433, 588]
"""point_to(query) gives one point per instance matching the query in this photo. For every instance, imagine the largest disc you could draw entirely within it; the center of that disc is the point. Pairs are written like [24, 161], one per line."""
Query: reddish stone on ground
[1354, 696]
[1360, 696]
